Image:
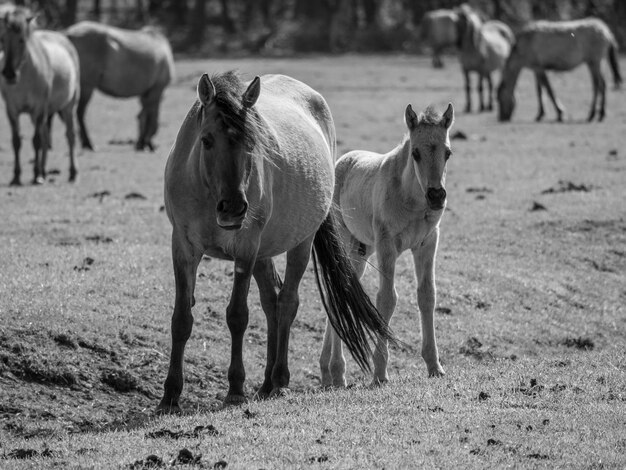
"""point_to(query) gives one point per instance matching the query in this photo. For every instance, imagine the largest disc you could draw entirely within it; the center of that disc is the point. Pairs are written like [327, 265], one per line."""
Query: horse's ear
[448, 117]
[410, 117]
[252, 93]
[206, 90]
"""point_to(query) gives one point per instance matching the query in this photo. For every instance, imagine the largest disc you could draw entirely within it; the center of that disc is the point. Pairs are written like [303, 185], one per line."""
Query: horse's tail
[613, 61]
[349, 308]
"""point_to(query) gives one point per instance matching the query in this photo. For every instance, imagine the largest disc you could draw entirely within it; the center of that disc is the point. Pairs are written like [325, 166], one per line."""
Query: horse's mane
[241, 124]
[470, 24]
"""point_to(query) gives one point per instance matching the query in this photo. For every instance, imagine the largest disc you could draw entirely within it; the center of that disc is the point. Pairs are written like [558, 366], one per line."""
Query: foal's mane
[240, 124]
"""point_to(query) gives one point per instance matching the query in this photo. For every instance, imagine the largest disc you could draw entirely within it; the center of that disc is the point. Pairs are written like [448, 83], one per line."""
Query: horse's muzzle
[10, 76]
[436, 198]
[231, 213]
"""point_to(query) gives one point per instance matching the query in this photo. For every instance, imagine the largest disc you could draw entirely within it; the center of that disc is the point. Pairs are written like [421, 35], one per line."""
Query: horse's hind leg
[480, 92]
[424, 260]
[186, 261]
[602, 86]
[40, 146]
[468, 96]
[490, 96]
[16, 140]
[593, 70]
[539, 85]
[332, 360]
[67, 116]
[287, 307]
[269, 284]
[83, 101]
[149, 118]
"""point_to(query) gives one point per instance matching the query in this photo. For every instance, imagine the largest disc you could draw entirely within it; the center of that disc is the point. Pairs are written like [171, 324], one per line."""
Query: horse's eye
[416, 155]
[207, 141]
[448, 153]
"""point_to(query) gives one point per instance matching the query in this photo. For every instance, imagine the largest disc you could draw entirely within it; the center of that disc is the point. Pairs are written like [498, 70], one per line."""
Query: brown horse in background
[40, 76]
[560, 46]
[439, 30]
[483, 48]
[123, 63]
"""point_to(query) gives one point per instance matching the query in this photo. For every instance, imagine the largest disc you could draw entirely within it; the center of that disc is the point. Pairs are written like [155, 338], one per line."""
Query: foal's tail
[349, 308]
[613, 61]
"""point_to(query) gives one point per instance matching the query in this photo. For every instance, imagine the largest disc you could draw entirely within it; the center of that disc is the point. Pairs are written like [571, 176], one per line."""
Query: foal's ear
[448, 117]
[252, 93]
[206, 90]
[410, 117]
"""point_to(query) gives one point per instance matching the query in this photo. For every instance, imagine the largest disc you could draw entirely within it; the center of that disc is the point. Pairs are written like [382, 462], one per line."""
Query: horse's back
[439, 27]
[562, 45]
[122, 62]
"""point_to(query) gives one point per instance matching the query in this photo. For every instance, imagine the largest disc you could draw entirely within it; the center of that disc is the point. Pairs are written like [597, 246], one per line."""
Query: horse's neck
[404, 162]
[512, 69]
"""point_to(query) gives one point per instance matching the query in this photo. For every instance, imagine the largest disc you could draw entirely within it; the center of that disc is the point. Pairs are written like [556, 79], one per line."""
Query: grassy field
[531, 280]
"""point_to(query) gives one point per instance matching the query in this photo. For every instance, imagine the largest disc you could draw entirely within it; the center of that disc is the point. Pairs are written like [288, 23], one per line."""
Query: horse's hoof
[235, 400]
[168, 409]
[73, 175]
[280, 392]
[15, 182]
[38, 181]
[539, 117]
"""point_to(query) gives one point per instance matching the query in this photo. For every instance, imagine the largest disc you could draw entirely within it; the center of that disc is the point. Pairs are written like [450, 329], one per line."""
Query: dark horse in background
[251, 176]
[123, 63]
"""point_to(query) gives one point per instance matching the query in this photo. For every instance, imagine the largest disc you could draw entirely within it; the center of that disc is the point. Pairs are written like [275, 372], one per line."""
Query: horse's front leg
[386, 300]
[490, 96]
[269, 284]
[185, 260]
[288, 301]
[424, 260]
[556, 103]
[16, 140]
[237, 321]
[481, 79]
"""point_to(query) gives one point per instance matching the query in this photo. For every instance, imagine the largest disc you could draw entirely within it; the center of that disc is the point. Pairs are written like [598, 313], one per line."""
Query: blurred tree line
[288, 26]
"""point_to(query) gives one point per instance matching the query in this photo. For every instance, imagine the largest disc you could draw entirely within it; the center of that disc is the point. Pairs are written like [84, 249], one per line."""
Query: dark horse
[123, 63]
[249, 177]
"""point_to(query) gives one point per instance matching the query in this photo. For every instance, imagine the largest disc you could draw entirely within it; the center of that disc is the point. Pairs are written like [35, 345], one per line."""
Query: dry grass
[530, 326]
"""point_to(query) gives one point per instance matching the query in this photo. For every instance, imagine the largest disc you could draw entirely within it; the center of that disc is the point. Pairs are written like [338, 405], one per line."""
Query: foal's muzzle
[436, 198]
[231, 212]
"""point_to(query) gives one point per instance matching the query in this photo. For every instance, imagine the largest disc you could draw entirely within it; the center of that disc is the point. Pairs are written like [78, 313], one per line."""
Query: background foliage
[218, 27]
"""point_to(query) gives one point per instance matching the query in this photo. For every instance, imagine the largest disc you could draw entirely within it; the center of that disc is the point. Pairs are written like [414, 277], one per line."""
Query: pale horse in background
[40, 76]
[560, 46]
[123, 63]
[483, 48]
[439, 30]
[388, 204]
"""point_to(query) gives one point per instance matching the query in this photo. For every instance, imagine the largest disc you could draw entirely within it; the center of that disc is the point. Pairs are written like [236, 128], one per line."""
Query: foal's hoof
[235, 400]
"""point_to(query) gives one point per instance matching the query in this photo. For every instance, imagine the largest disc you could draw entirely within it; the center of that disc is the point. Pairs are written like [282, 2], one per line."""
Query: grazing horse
[483, 48]
[123, 63]
[560, 46]
[250, 176]
[40, 76]
[439, 31]
[391, 203]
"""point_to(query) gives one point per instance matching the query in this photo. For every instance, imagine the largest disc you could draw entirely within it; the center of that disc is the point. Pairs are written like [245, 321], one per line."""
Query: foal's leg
[386, 300]
[468, 97]
[539, 85]
[16, 140]
[186, 261]
[67, 116]
[288, 301]
[555, 102]
[237, 321]
[269, 284]
[85, 96]
[424, 260]
[332, 360]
